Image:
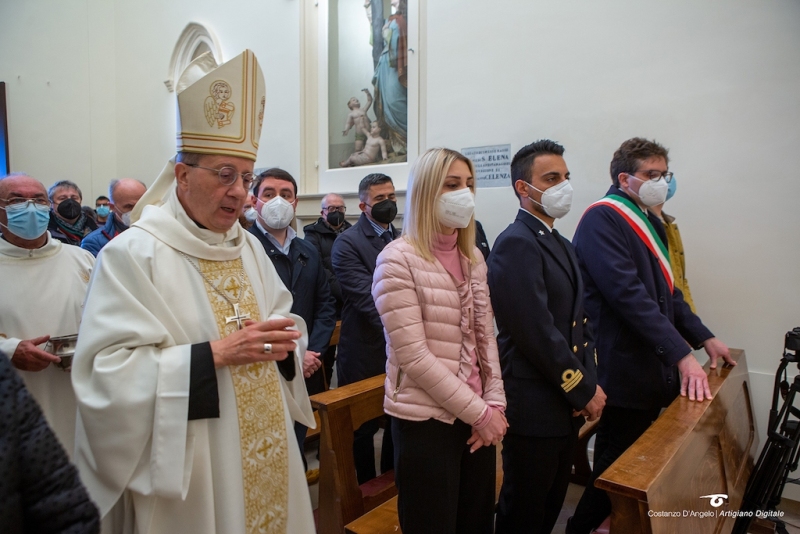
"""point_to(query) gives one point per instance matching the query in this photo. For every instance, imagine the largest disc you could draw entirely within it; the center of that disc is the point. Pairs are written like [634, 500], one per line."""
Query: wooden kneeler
[341, 412]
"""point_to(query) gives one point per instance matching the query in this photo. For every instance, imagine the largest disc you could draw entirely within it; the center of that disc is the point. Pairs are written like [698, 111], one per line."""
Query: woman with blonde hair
[443, 386]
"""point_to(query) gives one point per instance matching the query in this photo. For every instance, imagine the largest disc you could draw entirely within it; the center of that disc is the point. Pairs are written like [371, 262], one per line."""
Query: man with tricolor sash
[645, 332]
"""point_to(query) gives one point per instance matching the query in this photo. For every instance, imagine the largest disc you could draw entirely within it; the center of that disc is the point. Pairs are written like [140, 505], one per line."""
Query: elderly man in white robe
[43, 284]
[187, 370]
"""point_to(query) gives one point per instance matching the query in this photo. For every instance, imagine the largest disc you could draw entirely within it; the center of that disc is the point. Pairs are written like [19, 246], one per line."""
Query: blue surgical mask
[673, 185]
[103, 211]
[27, 220]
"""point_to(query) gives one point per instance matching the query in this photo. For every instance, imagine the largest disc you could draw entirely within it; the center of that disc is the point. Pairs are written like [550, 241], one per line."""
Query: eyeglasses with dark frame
[656, 175]
[331, 209]
[227, 175]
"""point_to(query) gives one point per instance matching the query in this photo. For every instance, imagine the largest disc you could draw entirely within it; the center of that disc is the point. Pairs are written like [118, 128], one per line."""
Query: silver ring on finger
[268, 348]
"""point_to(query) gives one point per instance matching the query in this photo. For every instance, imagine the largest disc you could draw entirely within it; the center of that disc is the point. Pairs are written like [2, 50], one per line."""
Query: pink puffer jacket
[421, 312]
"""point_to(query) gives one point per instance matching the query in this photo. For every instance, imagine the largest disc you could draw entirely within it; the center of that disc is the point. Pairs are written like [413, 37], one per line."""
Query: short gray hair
[63, 183]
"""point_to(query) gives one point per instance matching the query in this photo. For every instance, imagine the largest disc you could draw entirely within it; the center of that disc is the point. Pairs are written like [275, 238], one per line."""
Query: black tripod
[780, 454]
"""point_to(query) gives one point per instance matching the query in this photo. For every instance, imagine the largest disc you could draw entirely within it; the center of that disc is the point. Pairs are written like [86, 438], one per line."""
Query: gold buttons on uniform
[586, 344]
[584, 320]
[575, 349]
[574, 324]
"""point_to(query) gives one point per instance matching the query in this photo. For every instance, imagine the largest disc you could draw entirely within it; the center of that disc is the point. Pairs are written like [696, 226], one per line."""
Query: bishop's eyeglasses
[227, 175]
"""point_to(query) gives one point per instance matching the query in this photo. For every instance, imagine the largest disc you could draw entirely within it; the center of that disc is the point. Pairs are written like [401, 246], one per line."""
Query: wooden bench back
[694, 449]
[341, 412]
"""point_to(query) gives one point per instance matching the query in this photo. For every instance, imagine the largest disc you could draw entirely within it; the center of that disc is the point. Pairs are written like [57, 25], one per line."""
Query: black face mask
[335, 218]
[69, 209]
[384, 211]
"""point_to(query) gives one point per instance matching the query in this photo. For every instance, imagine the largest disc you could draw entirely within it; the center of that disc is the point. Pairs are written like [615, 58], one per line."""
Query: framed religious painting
[368, 90]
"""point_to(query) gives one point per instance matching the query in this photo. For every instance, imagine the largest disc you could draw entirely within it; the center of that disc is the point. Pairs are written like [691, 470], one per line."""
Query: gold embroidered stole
[259, 403]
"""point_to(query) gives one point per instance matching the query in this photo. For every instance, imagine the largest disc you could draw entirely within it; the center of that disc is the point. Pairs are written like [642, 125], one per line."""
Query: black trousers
[364, 450]
[328, 359]
[618, 429]
[441, 486]
[536, 474]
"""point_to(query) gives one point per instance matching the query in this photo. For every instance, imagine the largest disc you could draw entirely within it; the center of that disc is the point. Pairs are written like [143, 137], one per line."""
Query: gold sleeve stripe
[571, 379]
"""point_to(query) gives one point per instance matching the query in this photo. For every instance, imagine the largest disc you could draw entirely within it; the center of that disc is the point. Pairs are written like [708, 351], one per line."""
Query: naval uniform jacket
[546, 350]
[641, 328]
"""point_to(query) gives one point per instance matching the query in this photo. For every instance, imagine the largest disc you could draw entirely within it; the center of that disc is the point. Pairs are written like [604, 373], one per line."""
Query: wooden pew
[383, 519]
[693, 449]
[341, 411]
[313, 433]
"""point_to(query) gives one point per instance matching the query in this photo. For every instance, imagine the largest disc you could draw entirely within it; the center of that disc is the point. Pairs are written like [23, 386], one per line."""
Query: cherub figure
[375, 143]
[358, 119]
[218, 109]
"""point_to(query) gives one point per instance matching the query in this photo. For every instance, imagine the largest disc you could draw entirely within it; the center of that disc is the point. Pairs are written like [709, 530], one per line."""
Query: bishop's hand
[247, 345]
[29, 357]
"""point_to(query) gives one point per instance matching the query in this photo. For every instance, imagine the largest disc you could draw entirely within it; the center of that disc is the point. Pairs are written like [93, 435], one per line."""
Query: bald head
[21, 185]
[332, 199]
[125, 193]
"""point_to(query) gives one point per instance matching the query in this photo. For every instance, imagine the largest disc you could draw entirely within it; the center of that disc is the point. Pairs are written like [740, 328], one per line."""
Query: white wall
[106, 112]
[716, 82]
[60, 94]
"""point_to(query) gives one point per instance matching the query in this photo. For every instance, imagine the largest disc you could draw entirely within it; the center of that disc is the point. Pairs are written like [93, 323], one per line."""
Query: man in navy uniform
[546, 350]
[644, 330]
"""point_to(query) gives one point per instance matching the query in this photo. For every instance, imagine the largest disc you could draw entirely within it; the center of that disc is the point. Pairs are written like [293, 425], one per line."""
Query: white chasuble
[149, 469]
[42, 293]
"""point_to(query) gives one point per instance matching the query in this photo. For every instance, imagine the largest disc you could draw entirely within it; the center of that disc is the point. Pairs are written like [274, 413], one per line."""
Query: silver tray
[64, 348]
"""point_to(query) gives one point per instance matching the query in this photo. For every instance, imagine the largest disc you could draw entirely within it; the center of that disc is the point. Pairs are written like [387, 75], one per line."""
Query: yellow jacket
[676, 258]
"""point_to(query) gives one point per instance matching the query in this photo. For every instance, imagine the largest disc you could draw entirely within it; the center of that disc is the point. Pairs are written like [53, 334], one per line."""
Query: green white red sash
[640, 224]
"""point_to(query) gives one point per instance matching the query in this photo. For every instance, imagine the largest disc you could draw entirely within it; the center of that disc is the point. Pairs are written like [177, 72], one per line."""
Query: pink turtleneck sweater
[445, 250]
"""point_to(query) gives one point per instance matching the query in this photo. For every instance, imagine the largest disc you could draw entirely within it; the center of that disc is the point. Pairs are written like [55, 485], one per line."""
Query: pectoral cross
[238, 317]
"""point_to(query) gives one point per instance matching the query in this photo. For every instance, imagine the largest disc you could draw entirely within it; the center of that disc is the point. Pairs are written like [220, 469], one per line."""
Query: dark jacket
[302, 274]
[480, 240]
[642, 330]
[40, 491]
[546, 350]
[99, 238]
[57, 233]
[322, 237]
[362, 347]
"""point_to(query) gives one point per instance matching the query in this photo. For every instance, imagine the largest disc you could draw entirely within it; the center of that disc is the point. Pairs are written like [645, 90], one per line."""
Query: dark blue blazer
[303, 274]
[546, 348]
[362, 347]
[641, 329]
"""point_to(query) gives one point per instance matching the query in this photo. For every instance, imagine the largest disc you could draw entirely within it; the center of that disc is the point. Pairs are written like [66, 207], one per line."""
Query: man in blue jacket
[644, 330]
[362, 347]
[301, 270]
[124, 193]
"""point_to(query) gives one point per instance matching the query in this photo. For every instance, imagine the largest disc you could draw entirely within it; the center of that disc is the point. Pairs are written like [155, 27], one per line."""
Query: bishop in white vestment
[43, 284]
[188, 368]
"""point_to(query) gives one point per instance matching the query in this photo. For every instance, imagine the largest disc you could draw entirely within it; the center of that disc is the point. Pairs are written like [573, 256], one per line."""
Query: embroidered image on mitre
[221, 109]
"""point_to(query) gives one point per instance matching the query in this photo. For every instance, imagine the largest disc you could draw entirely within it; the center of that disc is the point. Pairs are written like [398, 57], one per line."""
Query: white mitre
[220, 111]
